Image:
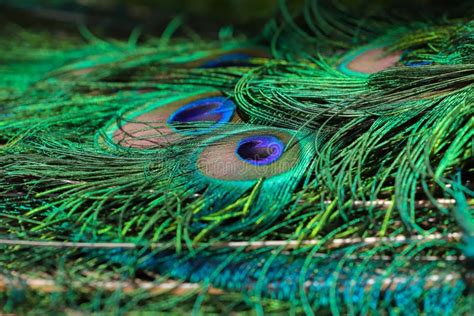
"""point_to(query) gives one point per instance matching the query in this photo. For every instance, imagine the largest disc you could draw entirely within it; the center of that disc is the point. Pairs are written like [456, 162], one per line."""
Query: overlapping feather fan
[324, 166]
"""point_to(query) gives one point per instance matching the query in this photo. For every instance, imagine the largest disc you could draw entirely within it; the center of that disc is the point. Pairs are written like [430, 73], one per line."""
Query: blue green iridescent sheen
[180, 174]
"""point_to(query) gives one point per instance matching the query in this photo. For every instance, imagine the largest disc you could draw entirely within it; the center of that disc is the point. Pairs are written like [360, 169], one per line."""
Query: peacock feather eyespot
[249, 154]
[229, 165]
[215, 110]
[368, 60]
[171, 120]
[260, 150]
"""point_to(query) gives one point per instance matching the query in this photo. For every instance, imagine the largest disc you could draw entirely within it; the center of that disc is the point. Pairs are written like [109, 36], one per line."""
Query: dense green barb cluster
[341, 182]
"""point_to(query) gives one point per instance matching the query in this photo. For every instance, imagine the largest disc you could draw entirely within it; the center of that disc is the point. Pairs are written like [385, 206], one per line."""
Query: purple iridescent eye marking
[229, 60]
[214, 109]
[260, 150]
[418, 63]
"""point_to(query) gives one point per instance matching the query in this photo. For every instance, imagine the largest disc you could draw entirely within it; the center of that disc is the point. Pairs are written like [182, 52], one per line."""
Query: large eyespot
[368, 60]
[171, 120]
[251, 154]
[271, 161]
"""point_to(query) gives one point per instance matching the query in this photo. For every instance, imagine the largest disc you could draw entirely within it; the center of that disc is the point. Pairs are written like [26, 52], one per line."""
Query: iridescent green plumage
[171, 174]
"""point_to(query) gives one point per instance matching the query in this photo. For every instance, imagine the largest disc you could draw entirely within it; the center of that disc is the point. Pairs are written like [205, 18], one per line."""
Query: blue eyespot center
[418, 63]
[215, 110]
[228, 60]
[260, 150]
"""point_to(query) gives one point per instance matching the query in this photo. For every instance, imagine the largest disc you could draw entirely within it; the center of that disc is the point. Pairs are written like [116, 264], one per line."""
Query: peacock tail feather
[322, 165]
